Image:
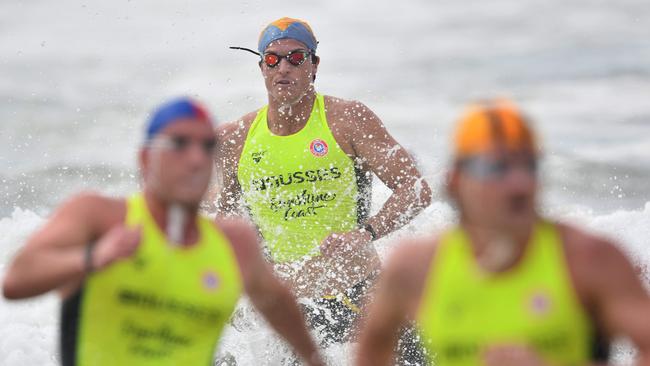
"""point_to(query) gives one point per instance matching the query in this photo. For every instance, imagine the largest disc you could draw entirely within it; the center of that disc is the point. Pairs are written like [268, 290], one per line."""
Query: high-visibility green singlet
[299, 188]
[166, 305]
[464, 310]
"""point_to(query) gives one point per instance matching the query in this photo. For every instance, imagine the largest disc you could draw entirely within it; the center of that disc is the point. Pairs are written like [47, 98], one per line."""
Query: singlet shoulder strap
[260, 122]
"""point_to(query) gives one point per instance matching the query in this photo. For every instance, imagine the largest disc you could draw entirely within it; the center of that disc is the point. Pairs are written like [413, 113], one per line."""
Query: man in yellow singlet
[302, 166]
[147, 280]
[506, 286]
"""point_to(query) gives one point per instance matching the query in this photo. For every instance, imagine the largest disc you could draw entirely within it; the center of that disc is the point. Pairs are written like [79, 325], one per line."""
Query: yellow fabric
[299, 188]
[464, 310]
[166, 305]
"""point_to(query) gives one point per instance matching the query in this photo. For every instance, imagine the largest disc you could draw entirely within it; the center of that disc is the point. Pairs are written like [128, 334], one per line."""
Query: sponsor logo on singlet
[318, 148]
[172, 305]
[210, 280]
[303, 204]
[539, 303]
[307, 176]
[257, 156]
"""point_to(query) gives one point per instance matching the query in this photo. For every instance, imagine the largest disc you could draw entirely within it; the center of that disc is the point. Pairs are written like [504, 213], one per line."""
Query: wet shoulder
[234, 133]
[585, 249]
[342, 110]
[242, 237]
[345, 119]
[592, 261]
[97, 212]
[231, 137]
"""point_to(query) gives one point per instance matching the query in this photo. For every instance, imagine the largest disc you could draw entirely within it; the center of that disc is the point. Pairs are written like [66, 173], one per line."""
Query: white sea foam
[29, 329]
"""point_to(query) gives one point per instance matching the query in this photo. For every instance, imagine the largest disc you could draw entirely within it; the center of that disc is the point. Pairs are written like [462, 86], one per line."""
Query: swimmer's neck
[159, 210]
[288, 118]
[484, 240]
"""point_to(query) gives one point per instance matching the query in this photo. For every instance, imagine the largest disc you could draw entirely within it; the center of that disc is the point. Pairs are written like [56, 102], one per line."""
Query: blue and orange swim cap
[290, 28]
[173, 111]
[494, 124]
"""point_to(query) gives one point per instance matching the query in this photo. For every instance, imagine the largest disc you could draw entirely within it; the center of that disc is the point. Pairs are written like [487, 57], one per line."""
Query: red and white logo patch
[210, 280]
[318, 148]
[540, 303]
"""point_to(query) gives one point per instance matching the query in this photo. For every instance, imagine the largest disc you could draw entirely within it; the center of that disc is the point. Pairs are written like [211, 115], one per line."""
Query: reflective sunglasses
[181, 143]
[483, 169]
[295, 57]
[271, 59]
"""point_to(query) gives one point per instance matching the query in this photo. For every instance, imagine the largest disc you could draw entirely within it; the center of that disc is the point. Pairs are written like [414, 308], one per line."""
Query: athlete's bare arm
[54, 257]
[614, 292]
[362, 134]
[230, 143]
[267, 293]
[396, 301]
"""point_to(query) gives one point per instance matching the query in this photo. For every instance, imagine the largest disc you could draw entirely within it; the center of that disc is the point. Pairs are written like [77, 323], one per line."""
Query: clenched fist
[118, 243]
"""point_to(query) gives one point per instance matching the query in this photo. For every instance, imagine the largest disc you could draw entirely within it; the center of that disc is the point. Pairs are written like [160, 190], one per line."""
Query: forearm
[644, 359]
[401, 207]
[227, 206]
[35, 272]
[280, 309]
[376, 347]
[227, 199]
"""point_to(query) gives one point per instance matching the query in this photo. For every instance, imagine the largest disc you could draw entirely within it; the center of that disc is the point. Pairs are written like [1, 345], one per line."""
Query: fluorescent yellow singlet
[464, 309]
[299, 188]
[166, 305]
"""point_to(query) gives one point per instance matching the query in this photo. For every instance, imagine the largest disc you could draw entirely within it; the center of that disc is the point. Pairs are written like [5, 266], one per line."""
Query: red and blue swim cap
[173, 111]
[284, 28]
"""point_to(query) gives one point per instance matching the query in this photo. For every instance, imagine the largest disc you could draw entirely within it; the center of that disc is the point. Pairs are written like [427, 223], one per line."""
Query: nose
[284, 66]
[196, 155]
[520, 177]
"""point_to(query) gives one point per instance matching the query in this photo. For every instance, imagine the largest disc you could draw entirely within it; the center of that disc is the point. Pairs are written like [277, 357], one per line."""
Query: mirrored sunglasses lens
[179, 143]
[271, 60]
[296, 58]
[484, 169]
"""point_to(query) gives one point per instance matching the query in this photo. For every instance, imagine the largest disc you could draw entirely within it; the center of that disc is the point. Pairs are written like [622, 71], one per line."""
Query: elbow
[16, 285]
[10, 288]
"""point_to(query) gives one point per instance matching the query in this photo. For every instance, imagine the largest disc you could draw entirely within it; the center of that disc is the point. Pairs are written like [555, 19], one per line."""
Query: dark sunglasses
[295, 57]
[484, 169]
[181, 143]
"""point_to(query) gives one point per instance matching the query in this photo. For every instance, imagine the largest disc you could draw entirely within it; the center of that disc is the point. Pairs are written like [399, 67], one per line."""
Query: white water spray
[176, 217]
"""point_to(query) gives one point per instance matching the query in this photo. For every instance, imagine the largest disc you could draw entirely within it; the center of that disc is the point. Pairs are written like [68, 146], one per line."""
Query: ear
[315, 60]
[452, 179]
[143, 161]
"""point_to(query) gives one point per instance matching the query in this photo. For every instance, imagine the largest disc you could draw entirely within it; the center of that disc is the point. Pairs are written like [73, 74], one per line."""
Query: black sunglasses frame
[485, 169]
[280, 57]
[180, 143]
[287, 57]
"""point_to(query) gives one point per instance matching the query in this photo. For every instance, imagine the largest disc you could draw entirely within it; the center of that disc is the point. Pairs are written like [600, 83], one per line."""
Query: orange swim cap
[493, 125]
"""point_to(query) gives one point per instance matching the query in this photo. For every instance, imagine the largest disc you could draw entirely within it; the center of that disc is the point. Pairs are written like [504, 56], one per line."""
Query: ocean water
[78, 79]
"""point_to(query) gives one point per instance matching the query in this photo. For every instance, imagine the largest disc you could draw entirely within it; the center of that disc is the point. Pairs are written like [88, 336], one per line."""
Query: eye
[271, 59]
[179, 143]
[297, 58]
[499, 168]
